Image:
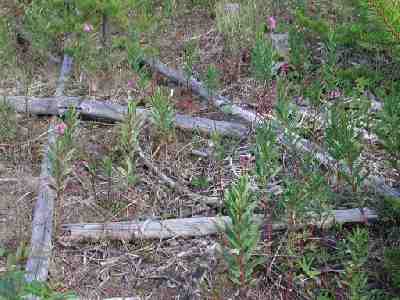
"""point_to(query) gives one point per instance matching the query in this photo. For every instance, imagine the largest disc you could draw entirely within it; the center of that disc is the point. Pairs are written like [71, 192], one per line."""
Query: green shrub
[162, 115]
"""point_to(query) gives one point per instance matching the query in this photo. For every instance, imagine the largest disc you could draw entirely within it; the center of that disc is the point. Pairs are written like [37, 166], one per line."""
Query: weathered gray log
[301, 144]
[192, 227]
[42, 224]
[198, 88]
[37, 265]
[115, 112]
[64, 75]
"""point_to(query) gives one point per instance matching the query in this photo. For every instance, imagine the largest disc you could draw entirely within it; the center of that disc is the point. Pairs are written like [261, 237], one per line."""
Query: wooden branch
[114, 112]
[301, 144]
[191, 227]
[37, 265]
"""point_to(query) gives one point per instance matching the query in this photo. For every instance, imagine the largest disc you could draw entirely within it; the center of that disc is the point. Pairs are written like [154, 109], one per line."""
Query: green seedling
[162, 115]
[242, 234]
[211, 79]
[387, 128]
[266, 154]
[344, 144]
[262, 59]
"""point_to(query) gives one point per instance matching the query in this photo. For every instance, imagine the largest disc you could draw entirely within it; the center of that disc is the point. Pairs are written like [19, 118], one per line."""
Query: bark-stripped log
[37, 266]
[42, 224]
[192, 227]
[115, 112]
[301, 144]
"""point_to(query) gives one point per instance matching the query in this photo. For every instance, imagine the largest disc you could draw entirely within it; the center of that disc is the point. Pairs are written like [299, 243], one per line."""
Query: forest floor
[175, 268]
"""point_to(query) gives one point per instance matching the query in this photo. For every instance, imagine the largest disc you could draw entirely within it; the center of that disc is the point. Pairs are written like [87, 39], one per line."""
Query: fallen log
[37, 265]
[301, 144]
[114, 112]
[192, 227]
[198, 88]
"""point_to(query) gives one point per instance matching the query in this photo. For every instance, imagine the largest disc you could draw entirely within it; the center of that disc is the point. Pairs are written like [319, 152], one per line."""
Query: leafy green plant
[128, 172]
[285, 111]
[388, 12]
[13, 285]
[392, 265]
[344, 144]
[294, 201]
[129, 131]
[135, 52]
[162, 115]
[305, 264]
[211, 79]
[242, 234]
[129, 140]
[356, 278]
[262, 58]
[190, 57]
[200, 182]
[169, 7]
[108, 168]
[217, 143]
[329, 68]
[367, 24]
[62, 153]
[299, 53]
[317, 190]
[71, 121]
[387, 127]
[266, 154]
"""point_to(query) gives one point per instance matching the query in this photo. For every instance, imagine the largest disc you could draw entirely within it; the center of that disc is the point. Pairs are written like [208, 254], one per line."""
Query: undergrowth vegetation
[322, 78]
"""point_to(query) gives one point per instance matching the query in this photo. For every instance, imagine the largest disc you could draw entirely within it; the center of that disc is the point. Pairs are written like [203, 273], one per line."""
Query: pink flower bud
[271, 23]
[131, 83]
[87, 27]
[284, 68]
[335, 94]
[245, 160]
[60, 128]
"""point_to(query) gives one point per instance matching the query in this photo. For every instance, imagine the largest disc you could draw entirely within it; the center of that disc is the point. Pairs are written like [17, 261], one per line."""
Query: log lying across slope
[37, 265]
[115, 112]
[191, 227]
[301, 144]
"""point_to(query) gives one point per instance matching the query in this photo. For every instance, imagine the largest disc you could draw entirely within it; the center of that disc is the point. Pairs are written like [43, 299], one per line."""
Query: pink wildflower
[60, 128]
[284, 68]
[334, 94]
[245, 160]
[131, 83]
[87, 27]
[271, 23]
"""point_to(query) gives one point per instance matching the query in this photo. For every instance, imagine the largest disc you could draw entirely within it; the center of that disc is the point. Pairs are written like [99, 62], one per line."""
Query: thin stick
[175, 185]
